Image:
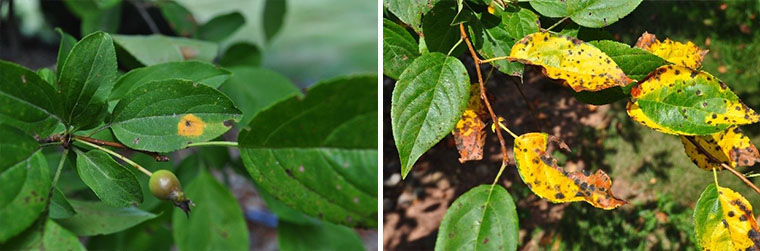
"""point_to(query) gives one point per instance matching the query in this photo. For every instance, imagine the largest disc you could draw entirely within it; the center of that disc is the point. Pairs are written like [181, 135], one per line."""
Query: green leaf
[166, 115]
[677, 100]
[95, 218]
[322, 236]
[635, 63]
[59, 206]
[96, 16]
[24, 181]
[440, 34]
[51, 236]
[87, 78]
[151, 235]
[48, 76]
[215, 223]
[221, 27]
[303, 150]
[283, 211]
[196, 71]
[254, 89]
[179, 18]
[494, 35]
[26, 101]
[67, 42]
[428, 100]
[481, 219]
[156, 49]
[588, 13]
[410, 11]
[399, 49]
[112, 183]
[274, 17]
[241, 54]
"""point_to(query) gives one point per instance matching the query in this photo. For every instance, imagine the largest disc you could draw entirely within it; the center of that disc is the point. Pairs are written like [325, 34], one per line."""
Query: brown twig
[156, 156]
[530, 106]
[741, 177]
[483, 95]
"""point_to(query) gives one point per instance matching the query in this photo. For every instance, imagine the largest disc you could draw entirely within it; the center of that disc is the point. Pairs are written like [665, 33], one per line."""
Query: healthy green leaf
[51, 236]
[483, 218]
[67, 42]
[399, 49]
[112, 183]
[48, 75]
[26, 101]
[440, 34]
[428, 100]
[87, 78]
[303, 150]
[254, 89]
[241, 54]
[166, 115]
[589, 13]
[274, 17]
[156, 49]
[215, 223]
[196, 71]
[179, 18]
[154, 234]
[410, 11]
[59, 206]
[95, 218]
[494, 35]
[96, 16]
[222, 26]
[322, 236]
[283, 211]
[25, 180]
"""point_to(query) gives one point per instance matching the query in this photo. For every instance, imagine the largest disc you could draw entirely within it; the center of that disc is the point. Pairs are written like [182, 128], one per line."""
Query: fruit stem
[121, 157]
[214, 143]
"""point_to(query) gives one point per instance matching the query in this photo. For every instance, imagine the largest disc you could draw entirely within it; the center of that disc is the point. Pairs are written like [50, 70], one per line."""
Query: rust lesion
[190, 126]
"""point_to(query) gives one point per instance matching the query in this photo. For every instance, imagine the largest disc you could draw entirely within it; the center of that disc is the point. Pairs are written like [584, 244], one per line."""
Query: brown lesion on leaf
[188, 52]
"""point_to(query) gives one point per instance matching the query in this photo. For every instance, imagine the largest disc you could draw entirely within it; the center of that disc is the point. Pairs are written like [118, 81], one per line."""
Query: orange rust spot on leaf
[190, 126]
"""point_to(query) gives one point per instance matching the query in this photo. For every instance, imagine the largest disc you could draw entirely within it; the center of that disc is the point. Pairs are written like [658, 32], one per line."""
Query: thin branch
[741, 177]
[158, 157]
[121, 157]
[463, 34]
[141, 9]
[722, 164]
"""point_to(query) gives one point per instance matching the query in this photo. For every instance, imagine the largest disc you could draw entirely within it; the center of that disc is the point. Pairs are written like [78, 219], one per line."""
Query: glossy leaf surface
[588, 13]
[196, 71]
[111, 182]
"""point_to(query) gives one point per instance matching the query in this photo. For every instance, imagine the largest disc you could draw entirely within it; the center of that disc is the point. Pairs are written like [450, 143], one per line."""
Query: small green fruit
[165, 186]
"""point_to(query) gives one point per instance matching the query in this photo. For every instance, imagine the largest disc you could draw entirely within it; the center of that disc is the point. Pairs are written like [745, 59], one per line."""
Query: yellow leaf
[468, 133]
[539, 170]
[729, 146]
[688, 54]
[582, 66]
[725, 222]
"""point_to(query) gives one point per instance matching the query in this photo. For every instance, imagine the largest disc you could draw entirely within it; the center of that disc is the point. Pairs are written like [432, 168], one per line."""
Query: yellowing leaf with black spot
[677, 100]
[582, 66]
[729, 146]
[539, 170]
[468, 133]
[723, 220]
[688, 54]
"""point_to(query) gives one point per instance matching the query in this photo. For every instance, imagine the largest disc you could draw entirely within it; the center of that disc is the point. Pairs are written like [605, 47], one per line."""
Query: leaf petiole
[58, 170]
[557, 23]
[121, 157]
[214, 143]
[493, 59]
[454, 47]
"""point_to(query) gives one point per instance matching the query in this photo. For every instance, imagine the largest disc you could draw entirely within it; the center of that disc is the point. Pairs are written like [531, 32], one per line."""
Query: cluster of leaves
[662, 81]
[299, 149]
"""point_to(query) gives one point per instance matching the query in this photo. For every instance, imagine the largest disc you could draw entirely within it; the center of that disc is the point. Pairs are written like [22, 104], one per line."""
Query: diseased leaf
[166, 115]
[27, 102]
[111, 182]
[729, 146]
[319, 162]
[95, 218]
[483, 218]
[582, 66]
[25, 180]
[215, 223]
[156, 49]
[677, 100]
[589, 13]
[468, 133]
[494, 35]
[539, 170]
[86, 80]
[222, 26]
[410, 11]
[179, 18]
[724, 220]
[688, 55]
[428, 100]
[196, 71]
[399, 49]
